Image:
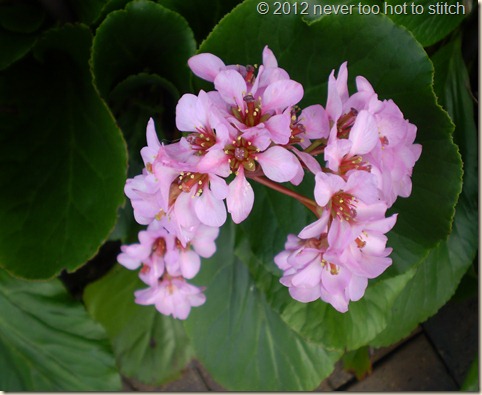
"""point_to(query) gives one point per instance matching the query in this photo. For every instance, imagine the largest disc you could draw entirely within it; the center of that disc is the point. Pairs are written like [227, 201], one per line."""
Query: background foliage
[78, 82]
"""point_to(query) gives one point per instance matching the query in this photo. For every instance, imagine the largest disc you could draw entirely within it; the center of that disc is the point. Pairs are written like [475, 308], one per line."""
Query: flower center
[252, 113]
[343, 206]
[159, 247]
[353, 163]
[202, 140]
[185, 183]
[345, 123]
[241, 153]
[296, 127]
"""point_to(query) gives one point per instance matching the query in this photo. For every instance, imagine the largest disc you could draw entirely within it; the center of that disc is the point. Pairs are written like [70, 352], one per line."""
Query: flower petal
[210, 210]
[282, 94]
[206, 66]
[278, 164]
[240, 198]
[231, 86]
[363, 135]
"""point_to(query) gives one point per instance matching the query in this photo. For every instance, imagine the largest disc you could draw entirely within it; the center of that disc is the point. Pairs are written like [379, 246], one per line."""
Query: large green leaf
[143, 38]
[241, 340]
[428, 20]
[62, 157]
[399, 69]
[49, 343]
[148, 346]
[438, 276]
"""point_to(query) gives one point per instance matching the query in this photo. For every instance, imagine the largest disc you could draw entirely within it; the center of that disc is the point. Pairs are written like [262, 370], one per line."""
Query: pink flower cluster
[369, 154]
[250, 128]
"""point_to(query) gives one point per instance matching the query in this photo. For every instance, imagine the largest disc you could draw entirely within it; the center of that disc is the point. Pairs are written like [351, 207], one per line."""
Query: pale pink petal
[215, 161]
[305, 295]
[326, 186]
[362, 185]
[357, 287]
[279, 128]
[232, 87]
[316, 228]
[316, 123]
[184, 212]
[341, 234]
[278, 164]
[210, 210]
[309, 276]
[300, 258]
[335, 284]
[204, 240]
[269, 60]
[337, 93]
[362, 84]
[188, 116]
[218, 187]
[335, 151]
[146, 296]
[363, 135]
[311, 163]
[281, 260]
[240, 199]
[189, 263]
[282, 94]
[206, 66]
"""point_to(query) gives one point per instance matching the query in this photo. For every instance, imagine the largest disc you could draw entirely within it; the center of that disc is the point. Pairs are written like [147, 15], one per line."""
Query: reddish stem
[308, 203]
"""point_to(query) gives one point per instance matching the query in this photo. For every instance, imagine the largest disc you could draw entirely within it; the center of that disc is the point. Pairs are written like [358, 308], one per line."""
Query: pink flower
[146, 198]
[340, 200]
[370, 135]
[395, 154]
[259, 108]
[207, 66]
[166, 263]
[172, 296]
[309, 276]
[243, 155]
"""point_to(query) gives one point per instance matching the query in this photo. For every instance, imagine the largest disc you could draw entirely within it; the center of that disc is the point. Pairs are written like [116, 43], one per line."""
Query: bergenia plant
[249, 184]
[359, 149]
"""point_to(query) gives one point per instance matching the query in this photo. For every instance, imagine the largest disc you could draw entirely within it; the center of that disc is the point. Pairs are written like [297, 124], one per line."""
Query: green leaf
[364, 320]
[49, 343]
[358, 362]
[21, 17]
[202, 17]
[19, 26]
[143, 38]
[87, 11]
[398, 69]
[241, 340]
[439, 274]
[428, 20]
[471, 382]
[62, 157]
[148, 346]
[14, 46]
